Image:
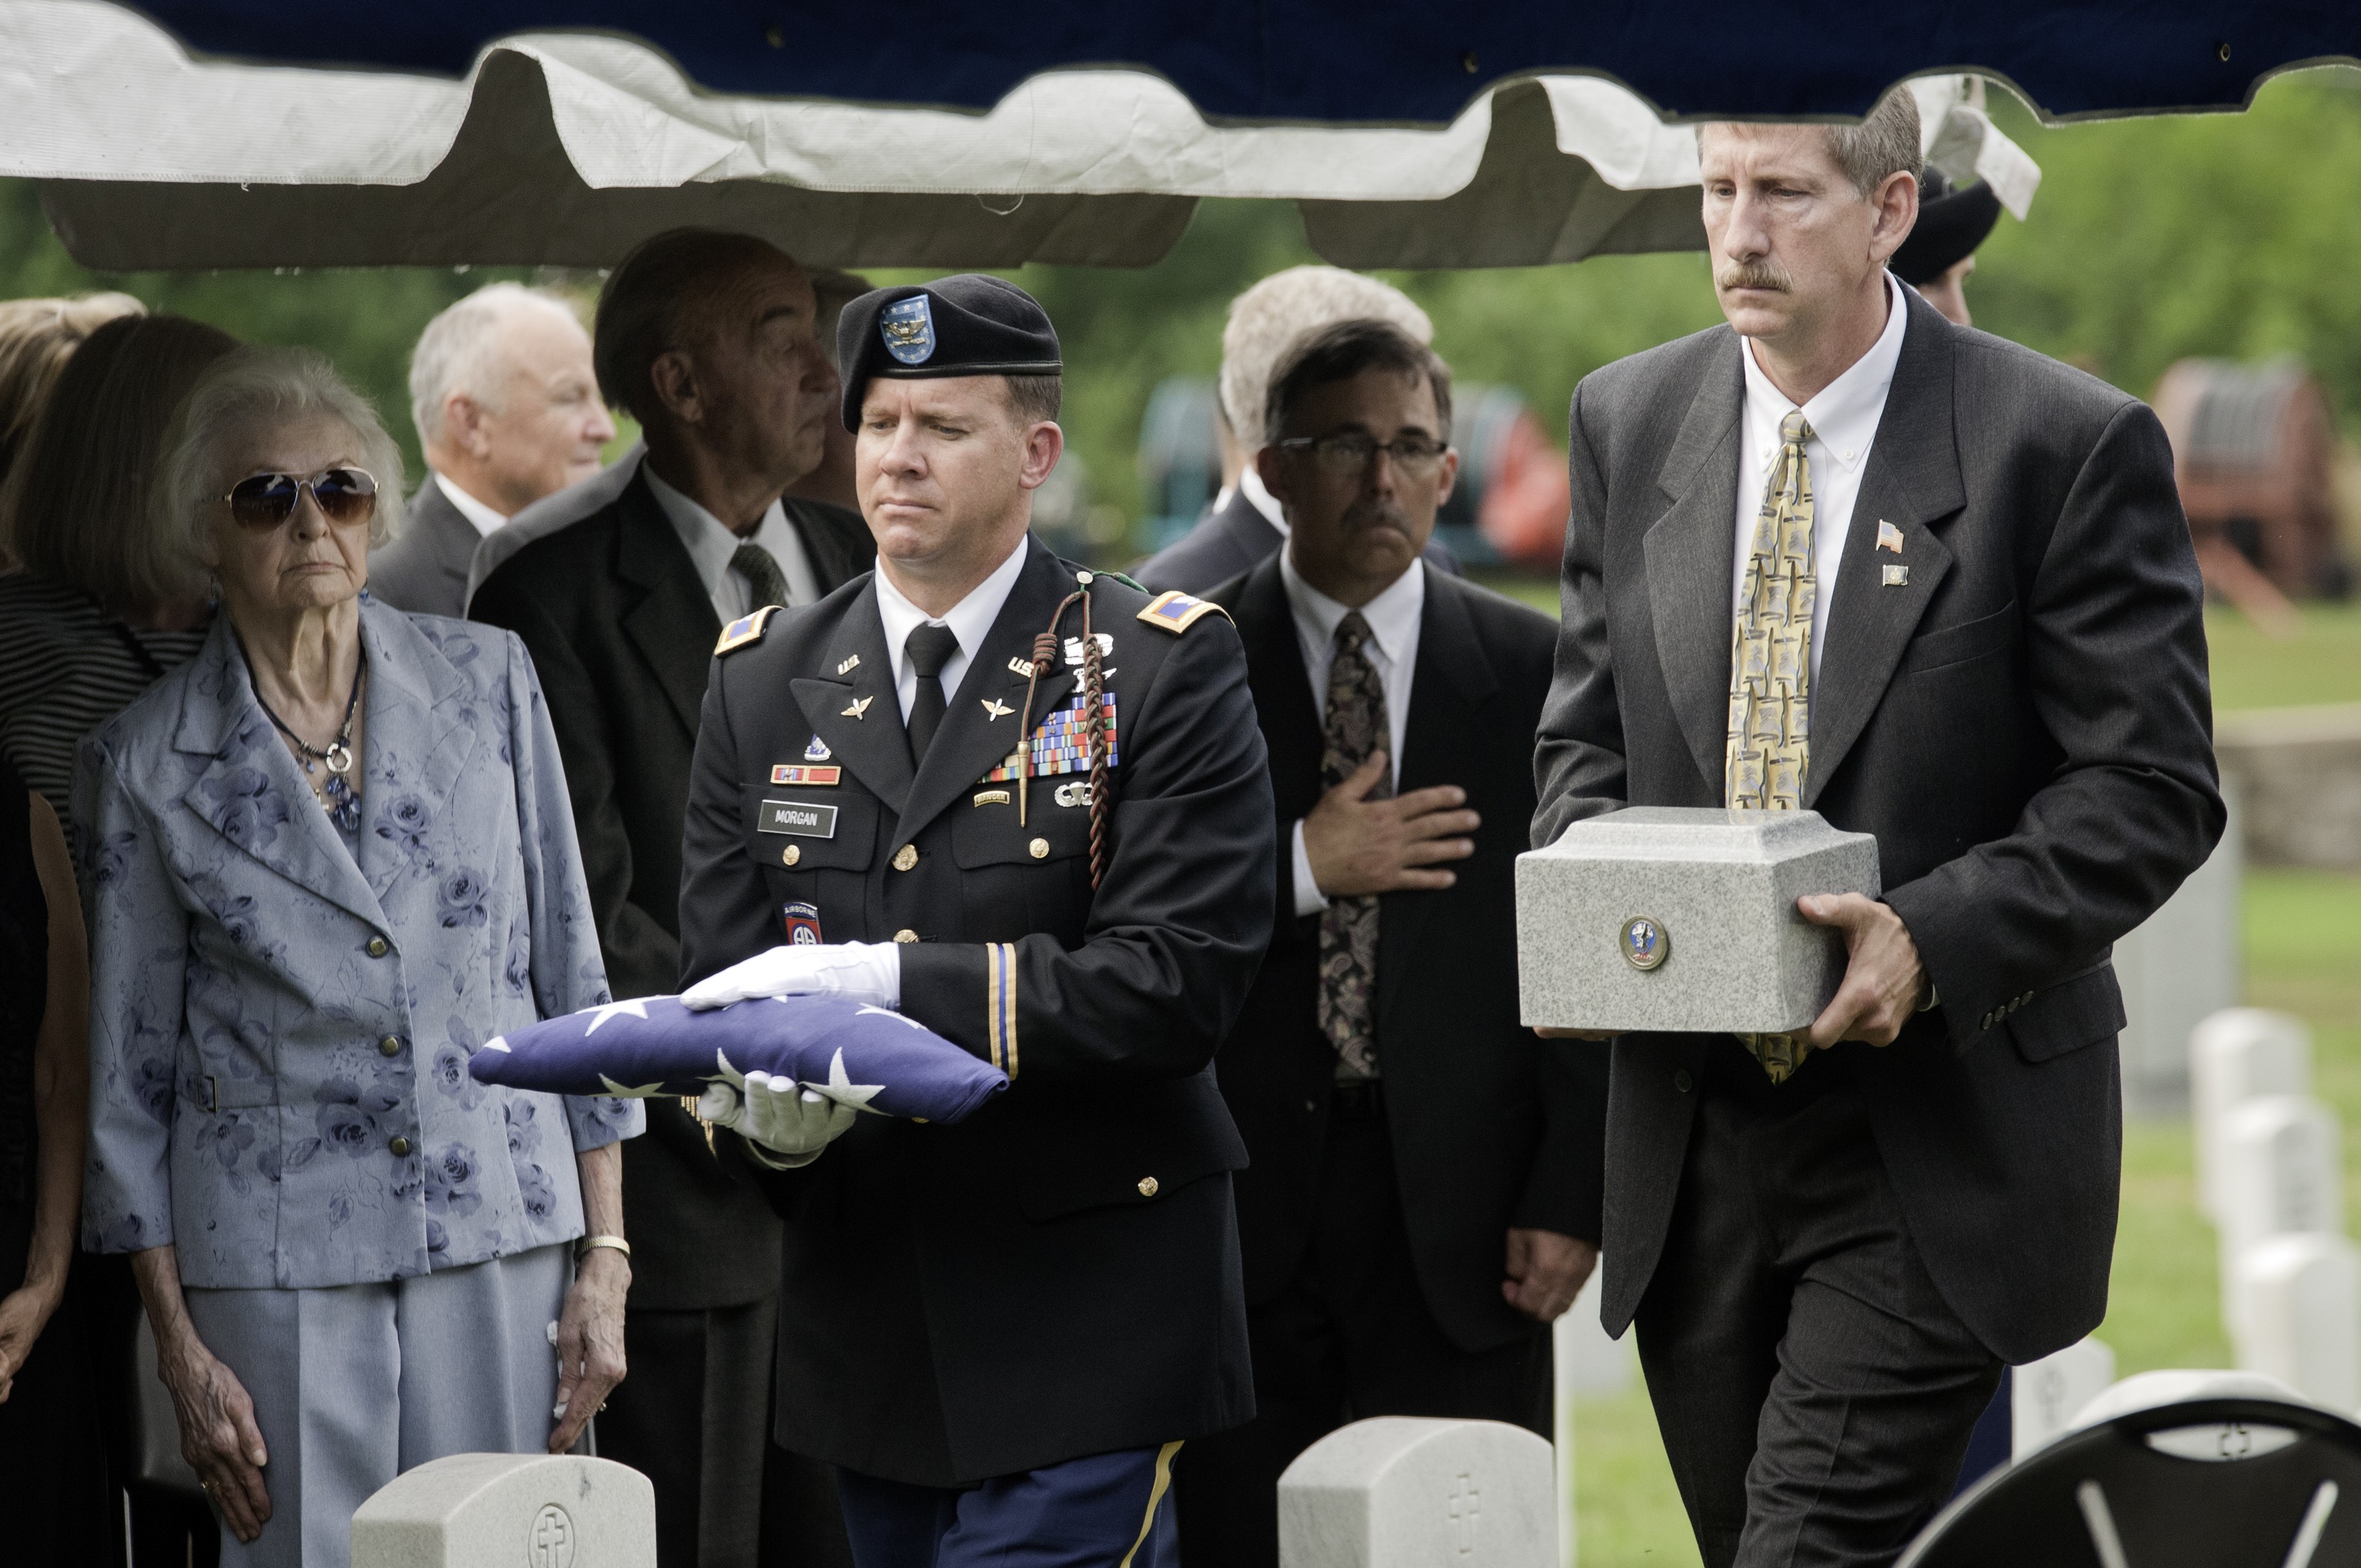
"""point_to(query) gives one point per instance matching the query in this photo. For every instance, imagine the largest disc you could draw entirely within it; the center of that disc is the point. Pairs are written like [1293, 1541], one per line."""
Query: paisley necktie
[1357, 725]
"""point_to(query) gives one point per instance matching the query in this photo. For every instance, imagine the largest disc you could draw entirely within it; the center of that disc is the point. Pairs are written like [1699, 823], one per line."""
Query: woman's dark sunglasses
[344, 496]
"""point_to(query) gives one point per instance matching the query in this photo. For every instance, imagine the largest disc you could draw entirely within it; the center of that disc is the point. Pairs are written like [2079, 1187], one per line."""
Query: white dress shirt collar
[486, 519]
[708, 539]
[1392, 615]
[711, 546]
[1844, 413]
[970, 620]
[1259, 497]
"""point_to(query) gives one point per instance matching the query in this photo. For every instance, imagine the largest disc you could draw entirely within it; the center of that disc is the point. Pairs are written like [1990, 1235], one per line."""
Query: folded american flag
[864, 1057]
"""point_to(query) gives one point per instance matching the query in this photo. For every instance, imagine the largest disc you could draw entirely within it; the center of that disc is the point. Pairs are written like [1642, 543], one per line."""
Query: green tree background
[2149, 240]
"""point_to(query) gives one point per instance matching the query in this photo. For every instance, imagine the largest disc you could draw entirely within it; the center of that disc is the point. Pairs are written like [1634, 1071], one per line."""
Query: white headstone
[2300, 1298]
[2178, 1385]
[2175, 967]
[2282, 1173]
[1589, 1364]
[2045, 1393]
[1562, 1464]
[509, 1510]
[2235, 1056]
[1410, 1492]
[1676, 918]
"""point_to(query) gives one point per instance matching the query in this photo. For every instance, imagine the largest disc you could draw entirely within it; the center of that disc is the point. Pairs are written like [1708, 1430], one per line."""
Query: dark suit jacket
[1492, 1127]
[1230, 543]
[425, 570]
[1057, 1275]
[620, 630]
[2024, 725]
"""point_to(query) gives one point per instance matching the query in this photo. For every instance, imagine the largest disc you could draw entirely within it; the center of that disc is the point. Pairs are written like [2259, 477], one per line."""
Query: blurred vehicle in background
[1508, 509]
[2254, 450]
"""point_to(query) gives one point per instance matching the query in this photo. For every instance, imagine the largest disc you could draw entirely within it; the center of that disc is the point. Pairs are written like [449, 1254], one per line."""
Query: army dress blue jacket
[1059, 1274]
[280, 1033]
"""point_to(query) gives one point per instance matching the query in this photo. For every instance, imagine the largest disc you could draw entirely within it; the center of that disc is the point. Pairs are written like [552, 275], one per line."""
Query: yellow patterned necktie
[1771, 670]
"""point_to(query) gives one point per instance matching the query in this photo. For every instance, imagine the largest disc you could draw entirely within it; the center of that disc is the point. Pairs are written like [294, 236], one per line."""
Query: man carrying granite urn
[1967, 617]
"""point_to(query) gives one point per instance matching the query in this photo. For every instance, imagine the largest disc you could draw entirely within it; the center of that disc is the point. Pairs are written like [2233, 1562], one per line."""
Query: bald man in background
[508, 410]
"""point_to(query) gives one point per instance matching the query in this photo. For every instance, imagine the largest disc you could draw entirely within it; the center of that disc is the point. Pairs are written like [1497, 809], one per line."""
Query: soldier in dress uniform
[1028, 805]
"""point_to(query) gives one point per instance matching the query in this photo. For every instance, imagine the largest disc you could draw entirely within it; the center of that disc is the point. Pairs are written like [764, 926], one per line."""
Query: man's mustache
[1763, 274]
[1362, 516]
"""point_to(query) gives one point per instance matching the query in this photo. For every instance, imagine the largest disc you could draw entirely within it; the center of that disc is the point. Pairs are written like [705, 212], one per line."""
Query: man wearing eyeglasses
[1423, 1193]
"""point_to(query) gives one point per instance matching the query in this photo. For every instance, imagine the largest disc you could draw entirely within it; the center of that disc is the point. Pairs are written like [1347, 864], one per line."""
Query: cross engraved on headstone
[550, 1544]
[1463, 1508]
[2049, 1396]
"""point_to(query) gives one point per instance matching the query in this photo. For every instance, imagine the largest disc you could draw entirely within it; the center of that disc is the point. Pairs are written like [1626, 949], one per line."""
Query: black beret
[1951, 223]
[968, 326]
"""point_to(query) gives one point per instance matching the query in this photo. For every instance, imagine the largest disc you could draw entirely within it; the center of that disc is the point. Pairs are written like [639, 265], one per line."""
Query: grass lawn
[2302, 954]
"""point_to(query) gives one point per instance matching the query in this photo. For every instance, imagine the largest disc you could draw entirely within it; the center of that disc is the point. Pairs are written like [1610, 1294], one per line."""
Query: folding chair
[2232, 1482]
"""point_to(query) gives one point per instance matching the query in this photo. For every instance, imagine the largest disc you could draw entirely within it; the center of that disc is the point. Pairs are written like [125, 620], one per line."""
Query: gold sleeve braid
[1000, 1004]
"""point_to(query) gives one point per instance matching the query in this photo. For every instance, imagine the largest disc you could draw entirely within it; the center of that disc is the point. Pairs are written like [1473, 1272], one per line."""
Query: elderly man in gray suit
[508, 410]
[1831, 1242]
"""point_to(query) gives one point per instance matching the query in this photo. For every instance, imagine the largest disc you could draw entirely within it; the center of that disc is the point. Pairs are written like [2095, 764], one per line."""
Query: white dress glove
[858, 971]
[777, 1114]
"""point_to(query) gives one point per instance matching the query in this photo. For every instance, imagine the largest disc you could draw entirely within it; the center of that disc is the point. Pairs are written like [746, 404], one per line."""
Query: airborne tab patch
[745, 629]
[1176, 612]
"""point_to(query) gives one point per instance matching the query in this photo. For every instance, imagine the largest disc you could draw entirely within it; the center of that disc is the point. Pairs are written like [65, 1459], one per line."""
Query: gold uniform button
[399, 1147]
[378, 947]
[1147, 1183]
[791, 854]
[1039, 848]
[905, 934]
[905, 857]
[390, 1046]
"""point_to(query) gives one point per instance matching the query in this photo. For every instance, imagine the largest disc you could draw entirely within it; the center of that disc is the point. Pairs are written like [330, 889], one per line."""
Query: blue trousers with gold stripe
[1110, 1510]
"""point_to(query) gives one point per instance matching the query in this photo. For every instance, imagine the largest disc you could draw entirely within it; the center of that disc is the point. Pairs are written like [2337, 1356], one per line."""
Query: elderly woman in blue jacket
[329, 857]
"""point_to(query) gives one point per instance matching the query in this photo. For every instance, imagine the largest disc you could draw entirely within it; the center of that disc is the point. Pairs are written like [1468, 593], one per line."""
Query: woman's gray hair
[258, 388]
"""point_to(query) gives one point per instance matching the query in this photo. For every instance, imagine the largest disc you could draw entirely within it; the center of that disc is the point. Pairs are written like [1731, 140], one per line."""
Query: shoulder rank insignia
[745, 629]
[1177, 612]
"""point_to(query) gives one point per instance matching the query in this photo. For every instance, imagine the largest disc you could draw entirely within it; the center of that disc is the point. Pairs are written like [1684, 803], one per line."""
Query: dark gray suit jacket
[622, 633]
[1230, 543]
[2025, 725]
[425, 570]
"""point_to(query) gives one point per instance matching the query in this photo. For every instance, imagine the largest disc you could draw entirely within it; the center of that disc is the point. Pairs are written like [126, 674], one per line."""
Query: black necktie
[761, 572]
[929, 649]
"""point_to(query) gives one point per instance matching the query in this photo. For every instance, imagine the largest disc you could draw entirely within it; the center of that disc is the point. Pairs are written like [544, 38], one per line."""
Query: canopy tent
[934, 144]
[1372, 61]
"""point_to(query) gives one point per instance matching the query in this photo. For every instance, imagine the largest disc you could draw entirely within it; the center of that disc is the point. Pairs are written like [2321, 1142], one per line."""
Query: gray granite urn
[1663, 918]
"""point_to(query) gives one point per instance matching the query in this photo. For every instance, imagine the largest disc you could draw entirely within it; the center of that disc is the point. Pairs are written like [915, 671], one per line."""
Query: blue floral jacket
[279, 1036]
